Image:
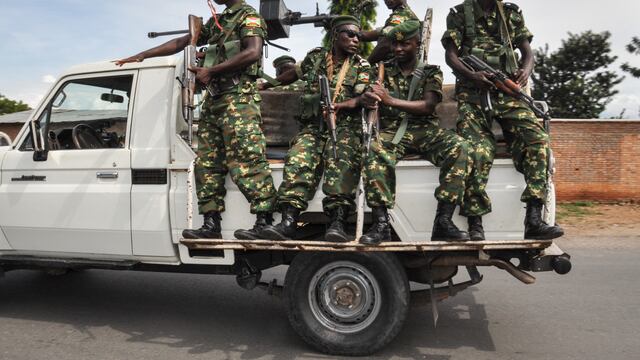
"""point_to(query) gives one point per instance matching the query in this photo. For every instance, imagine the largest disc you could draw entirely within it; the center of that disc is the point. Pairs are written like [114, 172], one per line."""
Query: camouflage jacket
[399, 85]
[297, 86]
[355, 84]
[484, 38]
[238, 22]
[399, 15]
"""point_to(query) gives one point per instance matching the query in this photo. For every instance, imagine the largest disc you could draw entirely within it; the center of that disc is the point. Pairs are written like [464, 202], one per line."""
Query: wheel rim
[344, 297]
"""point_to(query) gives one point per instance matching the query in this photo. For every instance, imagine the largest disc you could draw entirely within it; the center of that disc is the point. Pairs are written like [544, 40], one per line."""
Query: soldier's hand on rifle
[381, 93]
[131, 59]
[522, 76]
[481, 79]
[203, 75]
[369, 100]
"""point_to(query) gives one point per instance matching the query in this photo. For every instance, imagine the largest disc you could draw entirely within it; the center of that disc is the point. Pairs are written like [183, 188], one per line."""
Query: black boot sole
[270, 233]
[336, 237]
[544, 236]
[478, 237]
[186, 234]
[246, 235]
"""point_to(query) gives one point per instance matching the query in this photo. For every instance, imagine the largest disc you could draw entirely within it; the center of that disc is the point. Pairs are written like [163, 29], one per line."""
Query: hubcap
[345, 297]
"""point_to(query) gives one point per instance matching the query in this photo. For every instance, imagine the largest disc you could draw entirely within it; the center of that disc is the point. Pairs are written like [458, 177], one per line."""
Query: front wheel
[347, 303]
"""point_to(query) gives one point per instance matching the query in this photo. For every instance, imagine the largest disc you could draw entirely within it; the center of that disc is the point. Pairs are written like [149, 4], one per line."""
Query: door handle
[30, 178]
[107, 175]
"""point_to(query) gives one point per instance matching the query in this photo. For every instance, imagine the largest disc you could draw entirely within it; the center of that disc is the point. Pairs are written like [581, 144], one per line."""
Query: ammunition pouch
[309, 107]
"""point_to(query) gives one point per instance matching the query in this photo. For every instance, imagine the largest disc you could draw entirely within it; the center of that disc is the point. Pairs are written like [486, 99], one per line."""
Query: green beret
[404, 31]
[344, 20]
[279, 61]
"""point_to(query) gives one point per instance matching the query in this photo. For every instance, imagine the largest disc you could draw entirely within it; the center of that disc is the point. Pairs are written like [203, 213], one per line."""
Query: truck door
[76, 196]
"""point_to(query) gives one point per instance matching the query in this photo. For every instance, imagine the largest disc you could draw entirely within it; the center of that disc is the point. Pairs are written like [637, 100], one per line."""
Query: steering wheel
[86, 137]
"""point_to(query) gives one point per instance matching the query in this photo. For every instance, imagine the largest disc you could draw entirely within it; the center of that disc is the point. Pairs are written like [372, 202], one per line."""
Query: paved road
[592, 313]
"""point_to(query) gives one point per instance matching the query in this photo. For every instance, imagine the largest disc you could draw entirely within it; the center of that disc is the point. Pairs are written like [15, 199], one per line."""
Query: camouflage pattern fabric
[311, 151]
[441, 147]
[527, 142]
[297, 86]
[229, 135]
[526, 139]
[399, 15]
[488, 39]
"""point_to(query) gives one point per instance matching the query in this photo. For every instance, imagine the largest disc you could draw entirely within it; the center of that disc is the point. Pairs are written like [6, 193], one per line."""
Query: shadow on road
[211, 315]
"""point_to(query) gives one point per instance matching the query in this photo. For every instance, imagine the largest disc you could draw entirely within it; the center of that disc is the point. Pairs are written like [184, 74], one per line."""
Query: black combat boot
[443, 227]
[287, 228]
[535, 228]
[476, 231]
[335, 230]
[262, 220]
[380, 230]
[210, 230]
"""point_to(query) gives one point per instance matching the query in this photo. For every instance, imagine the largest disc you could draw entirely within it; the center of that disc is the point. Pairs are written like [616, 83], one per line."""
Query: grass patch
[578, 209]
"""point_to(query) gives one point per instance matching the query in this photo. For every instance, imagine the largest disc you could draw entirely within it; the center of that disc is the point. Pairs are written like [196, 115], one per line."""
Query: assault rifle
[503, 83]
[188, 80]
[328, 112]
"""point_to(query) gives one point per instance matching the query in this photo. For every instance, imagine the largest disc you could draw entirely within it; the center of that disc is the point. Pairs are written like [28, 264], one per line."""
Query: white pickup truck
[107, 184]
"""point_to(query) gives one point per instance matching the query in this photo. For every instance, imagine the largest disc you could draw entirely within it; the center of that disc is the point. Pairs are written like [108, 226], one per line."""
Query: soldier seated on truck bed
[230, 138]
[408, 96]
[311, 150]
[283, 64]
[492, 31]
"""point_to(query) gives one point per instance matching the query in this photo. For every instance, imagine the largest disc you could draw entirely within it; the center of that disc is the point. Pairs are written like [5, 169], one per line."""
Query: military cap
[344, 20]
[279, 61]
[404, 31]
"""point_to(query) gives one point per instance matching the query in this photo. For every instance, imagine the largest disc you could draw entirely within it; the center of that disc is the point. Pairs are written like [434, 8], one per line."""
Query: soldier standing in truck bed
[401, 12]
[493, 30]
[229, 136]
[408, 96]
[310, 151]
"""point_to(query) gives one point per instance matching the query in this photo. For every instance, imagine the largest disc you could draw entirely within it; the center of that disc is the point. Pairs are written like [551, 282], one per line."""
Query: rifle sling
[418, 75]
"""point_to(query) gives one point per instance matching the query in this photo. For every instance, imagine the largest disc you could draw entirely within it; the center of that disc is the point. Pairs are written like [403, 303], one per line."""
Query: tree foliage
[8, 106]
[633, 48]
[575, 79]
[364, 9]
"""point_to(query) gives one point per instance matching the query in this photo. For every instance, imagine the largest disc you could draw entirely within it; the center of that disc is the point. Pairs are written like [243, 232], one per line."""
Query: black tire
[375, 284]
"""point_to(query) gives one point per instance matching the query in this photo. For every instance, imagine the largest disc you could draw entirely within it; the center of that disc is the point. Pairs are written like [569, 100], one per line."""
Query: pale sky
[41, 38]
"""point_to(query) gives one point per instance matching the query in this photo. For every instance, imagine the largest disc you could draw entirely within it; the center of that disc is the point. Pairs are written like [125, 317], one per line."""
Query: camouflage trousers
[310, 154]
[441, 147]
[526, 140]
[230, 140]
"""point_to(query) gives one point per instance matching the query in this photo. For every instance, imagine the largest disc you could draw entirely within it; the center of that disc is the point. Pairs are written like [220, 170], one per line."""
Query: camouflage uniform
[423, 136]
[297, 86]
[399, 15]
[229, 133]
[311, 150]
[526, 139]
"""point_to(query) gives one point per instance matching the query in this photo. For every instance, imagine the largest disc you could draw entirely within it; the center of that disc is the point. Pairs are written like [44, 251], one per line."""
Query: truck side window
[87, 114]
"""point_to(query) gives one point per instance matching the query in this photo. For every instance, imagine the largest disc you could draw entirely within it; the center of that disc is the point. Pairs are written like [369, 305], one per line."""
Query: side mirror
[112, 98]
[40, 152]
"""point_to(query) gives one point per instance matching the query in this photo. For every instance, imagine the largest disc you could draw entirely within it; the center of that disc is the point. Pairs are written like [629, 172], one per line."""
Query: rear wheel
[349, 303]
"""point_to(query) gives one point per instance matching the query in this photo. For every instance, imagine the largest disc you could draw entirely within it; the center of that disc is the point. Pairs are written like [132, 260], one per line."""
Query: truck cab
[101, 176]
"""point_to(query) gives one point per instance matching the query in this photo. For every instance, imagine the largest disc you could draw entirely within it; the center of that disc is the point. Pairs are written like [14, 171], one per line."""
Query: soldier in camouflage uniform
[229, 136]
[400, 12]
[311, 150]
[283, 64]
[408, 97]
[493, 31]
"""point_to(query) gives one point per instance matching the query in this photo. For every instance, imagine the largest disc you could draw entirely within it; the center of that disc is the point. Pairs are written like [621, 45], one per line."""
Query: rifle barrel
[153, 35]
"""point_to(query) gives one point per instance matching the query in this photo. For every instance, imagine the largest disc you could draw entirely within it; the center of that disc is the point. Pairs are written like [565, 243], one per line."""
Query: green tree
[8, 106]
[365, 9]
[575, 79]
[633, 48]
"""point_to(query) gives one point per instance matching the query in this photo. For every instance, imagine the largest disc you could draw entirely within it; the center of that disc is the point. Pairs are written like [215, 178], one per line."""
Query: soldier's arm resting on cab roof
[171, 47]
[288, 77]
[424, 107]
[251, 53]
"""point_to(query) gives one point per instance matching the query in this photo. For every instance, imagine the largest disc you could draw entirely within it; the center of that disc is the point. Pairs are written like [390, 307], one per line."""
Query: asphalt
[591, 313]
